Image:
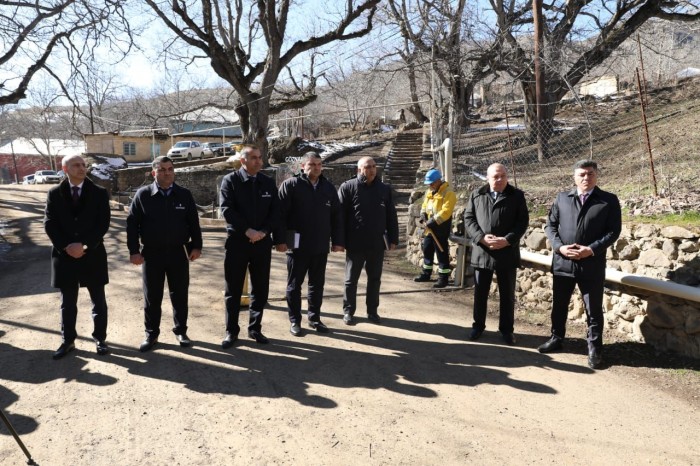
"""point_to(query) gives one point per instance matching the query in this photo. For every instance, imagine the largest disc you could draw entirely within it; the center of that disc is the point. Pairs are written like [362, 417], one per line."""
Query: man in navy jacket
[163, 235]
[371, 226]
[312, 218]
[250, 205]
[581, 225]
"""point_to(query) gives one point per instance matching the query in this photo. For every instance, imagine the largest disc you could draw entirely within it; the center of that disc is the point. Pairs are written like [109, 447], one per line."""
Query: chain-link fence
[612, 130]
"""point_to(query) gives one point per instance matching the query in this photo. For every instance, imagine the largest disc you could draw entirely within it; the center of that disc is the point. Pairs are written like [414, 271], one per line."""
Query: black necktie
[76, 195]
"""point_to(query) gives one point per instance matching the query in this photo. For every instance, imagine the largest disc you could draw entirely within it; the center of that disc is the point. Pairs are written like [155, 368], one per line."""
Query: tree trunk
[534, 132]
[254, 117]
[415, 108]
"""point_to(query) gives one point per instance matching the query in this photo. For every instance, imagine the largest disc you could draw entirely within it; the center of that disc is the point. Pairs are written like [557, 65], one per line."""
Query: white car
[29, 179]
[46, 176]
[186, 150]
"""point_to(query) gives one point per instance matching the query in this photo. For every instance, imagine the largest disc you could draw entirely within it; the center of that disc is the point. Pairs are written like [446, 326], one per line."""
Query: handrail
[677, 290]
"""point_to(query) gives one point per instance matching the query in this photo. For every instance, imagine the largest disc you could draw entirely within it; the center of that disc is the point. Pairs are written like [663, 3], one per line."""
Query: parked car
[46, 176]
[186, 149]
[210, 149]
[29, 179]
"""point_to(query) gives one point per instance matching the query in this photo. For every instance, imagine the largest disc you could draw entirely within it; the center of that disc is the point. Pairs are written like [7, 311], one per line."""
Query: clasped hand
[494, 242]
[575, 251]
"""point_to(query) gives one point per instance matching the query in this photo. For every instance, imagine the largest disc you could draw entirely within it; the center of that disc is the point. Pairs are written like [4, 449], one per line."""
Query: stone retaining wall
[665, 253]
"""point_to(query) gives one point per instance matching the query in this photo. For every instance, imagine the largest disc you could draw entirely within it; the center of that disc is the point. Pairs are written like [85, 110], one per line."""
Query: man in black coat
[76, 220]
[495, 219]
[371, 227]
[312, 219]
[250, 205]
[163, 216]
[581, 225]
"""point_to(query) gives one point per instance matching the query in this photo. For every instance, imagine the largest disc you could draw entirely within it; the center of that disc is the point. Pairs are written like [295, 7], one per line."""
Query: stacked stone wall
[668, 253]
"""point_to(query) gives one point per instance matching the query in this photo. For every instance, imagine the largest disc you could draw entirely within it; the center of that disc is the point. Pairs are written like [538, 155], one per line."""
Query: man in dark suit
[495, 219]
[76, 220]
[581, 225]
[250, 205]
[163, 216]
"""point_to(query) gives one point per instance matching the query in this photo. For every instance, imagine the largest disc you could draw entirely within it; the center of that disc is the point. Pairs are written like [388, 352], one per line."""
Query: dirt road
[410, 391]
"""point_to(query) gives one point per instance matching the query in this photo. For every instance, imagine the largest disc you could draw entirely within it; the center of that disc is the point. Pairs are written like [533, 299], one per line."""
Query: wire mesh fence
[640, 153]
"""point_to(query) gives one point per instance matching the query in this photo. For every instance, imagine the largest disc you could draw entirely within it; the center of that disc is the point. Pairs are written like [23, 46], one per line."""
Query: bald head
[367, 167]
[497, 176]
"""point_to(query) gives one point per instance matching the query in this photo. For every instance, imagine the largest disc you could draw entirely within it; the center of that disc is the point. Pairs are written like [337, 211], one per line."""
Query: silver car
[186, 150]
[46, 176]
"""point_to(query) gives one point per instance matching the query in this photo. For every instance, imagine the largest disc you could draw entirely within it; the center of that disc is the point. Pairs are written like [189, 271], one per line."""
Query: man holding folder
[313, 220]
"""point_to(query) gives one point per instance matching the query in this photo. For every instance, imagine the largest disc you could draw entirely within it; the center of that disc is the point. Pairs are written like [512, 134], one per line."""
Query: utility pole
[539, 78]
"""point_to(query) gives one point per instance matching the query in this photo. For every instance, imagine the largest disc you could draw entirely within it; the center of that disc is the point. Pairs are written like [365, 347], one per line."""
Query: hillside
[609, 131]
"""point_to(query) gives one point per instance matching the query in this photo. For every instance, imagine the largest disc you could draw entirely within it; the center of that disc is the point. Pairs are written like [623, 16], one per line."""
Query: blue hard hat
[432, 176]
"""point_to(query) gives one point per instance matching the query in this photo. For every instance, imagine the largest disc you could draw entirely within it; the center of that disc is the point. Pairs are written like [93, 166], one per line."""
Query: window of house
[129, 148]
[155, 150]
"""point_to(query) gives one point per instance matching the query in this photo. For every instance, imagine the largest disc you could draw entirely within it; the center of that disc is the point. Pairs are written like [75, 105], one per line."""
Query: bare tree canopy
[249, 46]
[35, 33]
[579, 35]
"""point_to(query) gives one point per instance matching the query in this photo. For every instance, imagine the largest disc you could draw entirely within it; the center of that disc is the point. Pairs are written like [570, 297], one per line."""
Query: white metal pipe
[677, 290]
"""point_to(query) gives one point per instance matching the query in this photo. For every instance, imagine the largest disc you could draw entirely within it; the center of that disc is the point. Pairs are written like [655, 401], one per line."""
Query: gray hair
[69, 158]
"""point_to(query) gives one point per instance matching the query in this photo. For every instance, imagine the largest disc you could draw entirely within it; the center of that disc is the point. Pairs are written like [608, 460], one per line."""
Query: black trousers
[372, 261]
[430, 249]
[69, 312]
[506, 297]
[173, 264]
[255, 257]
[298, 265]
[592, 291]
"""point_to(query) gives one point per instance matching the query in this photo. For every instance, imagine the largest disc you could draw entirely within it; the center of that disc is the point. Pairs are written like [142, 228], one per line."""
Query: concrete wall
[204, 177]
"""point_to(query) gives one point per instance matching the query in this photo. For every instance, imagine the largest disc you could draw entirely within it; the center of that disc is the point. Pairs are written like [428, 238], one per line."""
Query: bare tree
[579, 35]
[33, 32]
[247, 44]
[451, 37]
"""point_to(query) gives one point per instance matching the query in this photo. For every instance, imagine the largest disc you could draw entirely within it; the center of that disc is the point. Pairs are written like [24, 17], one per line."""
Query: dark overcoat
[86, 223]
[505, 217]
[596, 224]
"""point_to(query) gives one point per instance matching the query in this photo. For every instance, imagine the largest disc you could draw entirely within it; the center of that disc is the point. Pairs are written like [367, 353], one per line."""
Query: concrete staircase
[403, 160]
[402, 163]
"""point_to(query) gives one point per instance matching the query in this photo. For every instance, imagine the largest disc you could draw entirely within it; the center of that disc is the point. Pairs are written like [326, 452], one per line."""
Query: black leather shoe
[184, 340]
[295, 330]
[319, 326]
[508, 338]
[258, 337]
[102, 348]
[64, 349]
[148, 343]
[595, 359]
[422, 278]
[475, 334]
[553, 344]
[229, 340]
[348, 319]
[374, 318]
